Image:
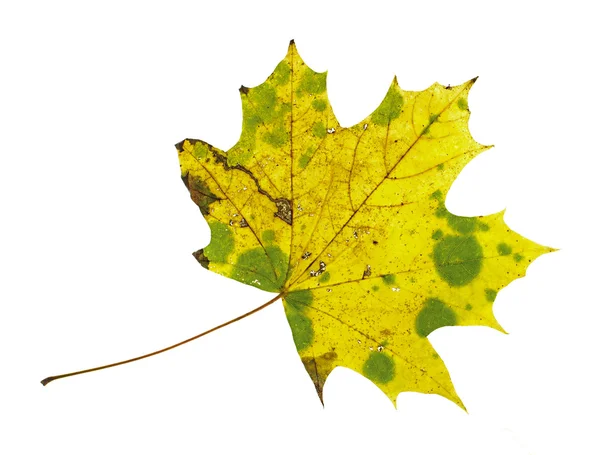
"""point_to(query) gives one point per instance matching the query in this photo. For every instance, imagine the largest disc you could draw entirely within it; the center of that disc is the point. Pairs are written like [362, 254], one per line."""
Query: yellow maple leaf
[349, 225]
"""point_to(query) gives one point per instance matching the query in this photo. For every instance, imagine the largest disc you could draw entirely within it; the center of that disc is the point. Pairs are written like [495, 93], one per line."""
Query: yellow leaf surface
[349, 225]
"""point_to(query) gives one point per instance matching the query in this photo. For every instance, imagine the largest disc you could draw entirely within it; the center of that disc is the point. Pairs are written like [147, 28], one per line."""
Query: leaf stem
[123, 362]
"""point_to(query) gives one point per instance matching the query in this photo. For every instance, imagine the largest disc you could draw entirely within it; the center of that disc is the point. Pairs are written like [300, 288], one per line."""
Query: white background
[97, 228]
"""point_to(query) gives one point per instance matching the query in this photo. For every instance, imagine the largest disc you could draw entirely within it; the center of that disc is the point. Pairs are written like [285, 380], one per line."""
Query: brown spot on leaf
[201, 258]
[284, 207]
[318, 368]
[179, 145]
[200, 193]
[367, 272]
[284, 210]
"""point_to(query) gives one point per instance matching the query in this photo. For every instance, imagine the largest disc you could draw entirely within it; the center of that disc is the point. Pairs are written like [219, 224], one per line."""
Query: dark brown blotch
[318, 368]
[201, 258]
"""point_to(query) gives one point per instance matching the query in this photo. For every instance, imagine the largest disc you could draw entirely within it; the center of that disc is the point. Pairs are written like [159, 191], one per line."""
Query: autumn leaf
[349, 225]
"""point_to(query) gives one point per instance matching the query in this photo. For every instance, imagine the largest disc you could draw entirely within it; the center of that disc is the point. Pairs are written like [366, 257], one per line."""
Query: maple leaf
[350, 227]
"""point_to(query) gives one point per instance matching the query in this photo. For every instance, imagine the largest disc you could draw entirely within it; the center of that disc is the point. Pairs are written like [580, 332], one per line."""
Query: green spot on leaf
[302, 329]
[441, 212]
[200, 150]
[319, 105]
[504, 249]
[462, 224]
[313, 83]
[437, 195]
[238, 155]
[296, 303]
[458, 259]
[221, 242]
[306, 156]
[325, 277]
[250, 123]
[299, 299]
[264, 99]
[435, 314]
[389, 279]
[264, 269]
[390, 107]
[518, 257]
[281, 74]
[490, 295]
[437, 235]
[268, 236]
[276, 138]
[375, 288]
[468, 307]
[379, 367]
[319, 130]
[462, 104]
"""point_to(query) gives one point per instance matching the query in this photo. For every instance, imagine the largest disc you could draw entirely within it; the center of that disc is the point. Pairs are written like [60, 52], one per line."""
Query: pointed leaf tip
[292, 46]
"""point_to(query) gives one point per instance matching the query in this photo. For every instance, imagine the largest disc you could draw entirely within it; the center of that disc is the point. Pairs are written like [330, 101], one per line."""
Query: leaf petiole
[123, 362]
